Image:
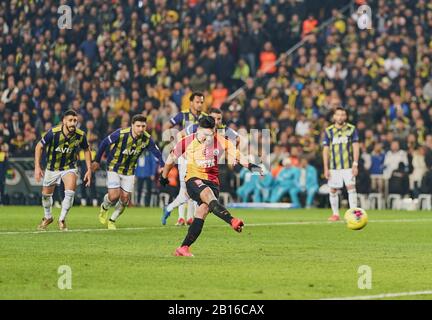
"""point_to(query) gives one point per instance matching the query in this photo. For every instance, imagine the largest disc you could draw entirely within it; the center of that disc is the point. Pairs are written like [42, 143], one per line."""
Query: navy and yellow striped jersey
[340, 141]
[61, 151]
[186, 118]
[124, 150]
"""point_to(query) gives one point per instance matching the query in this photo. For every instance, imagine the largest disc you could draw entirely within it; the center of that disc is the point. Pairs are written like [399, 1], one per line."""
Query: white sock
[352, 198]
[119, 208]
[179, 200]
[334, 203]
[106, 204]
[47, 202]
[67, 204]
[190, 209]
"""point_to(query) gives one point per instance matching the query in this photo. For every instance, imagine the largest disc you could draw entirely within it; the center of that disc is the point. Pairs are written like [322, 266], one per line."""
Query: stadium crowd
[128, 57]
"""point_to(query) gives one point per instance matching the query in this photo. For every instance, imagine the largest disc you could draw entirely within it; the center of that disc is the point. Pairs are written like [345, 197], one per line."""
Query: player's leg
[69, 179]
[111, 197]
[349, 180]
[194, 231]
[210, 196]
[50, 180]
[126, 189]
[47, 203]
[191, 208]
[335, 183]
[181, 199]
[119, 208]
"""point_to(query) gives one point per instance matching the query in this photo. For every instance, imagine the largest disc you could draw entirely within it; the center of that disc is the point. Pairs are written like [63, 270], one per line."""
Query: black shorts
[195, 186]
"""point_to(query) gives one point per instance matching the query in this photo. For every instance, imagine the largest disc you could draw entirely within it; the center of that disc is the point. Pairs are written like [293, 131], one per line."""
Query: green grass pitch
[281, 254]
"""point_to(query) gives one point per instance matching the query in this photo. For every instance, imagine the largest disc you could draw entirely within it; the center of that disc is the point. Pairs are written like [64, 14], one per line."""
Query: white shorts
[54, 177]
[116, 180]
[341, 176]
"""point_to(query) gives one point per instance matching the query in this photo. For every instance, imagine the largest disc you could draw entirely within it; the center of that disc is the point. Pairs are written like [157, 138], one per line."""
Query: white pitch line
[384, 295]
[270, 224]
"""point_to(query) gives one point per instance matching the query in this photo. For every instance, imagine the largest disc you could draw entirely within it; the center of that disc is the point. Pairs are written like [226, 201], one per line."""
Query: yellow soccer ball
[356, 218]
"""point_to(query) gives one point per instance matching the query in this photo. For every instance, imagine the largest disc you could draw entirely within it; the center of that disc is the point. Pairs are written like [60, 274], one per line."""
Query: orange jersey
[203, 159]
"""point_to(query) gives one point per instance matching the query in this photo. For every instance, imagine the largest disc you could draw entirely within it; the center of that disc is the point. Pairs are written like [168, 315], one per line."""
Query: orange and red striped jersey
[203, 159]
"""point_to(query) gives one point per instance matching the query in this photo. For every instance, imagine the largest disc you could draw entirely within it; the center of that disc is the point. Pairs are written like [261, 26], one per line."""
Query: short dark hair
[139, 117]
[207, 122]
[69, 112]
[215, 110]
[342, 109]
[196, 94]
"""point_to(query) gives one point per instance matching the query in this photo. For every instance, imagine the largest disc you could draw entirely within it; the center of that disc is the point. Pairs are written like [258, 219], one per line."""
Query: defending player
[61, 144]
[123, 146]
[341, 154]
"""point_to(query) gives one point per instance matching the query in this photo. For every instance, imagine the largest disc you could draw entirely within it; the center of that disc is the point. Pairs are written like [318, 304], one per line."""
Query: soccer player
[341, 154]
[183, 197]
[124, 148]
[61, 144]
[202, 150]
[184, 119]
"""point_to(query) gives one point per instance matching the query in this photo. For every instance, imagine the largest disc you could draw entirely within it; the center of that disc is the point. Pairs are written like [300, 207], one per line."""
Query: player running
[123, 147]
[183, 197]
[341, 151]
[183, 120]
[61, 145]
[202, 150]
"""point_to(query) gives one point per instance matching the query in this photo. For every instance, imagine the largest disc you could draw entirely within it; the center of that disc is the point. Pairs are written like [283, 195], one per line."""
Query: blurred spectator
[3, 169]
[146, 172]
[306, 181]
[393, 158]
[399, 181]
[377, 168]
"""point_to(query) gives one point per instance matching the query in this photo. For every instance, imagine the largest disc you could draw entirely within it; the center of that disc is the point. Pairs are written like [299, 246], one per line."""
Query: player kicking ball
[202, 151]
[61, 144]
[123, 147]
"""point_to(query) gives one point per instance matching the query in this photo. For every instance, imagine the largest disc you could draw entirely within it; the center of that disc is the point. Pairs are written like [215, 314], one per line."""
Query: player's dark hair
[139, 117]
[342, 109]
[207, 122]
[214, 110]
[69, 112]
[196, 94]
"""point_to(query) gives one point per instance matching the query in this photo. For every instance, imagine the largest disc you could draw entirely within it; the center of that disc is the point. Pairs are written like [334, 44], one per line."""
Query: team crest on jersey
[215, 152]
